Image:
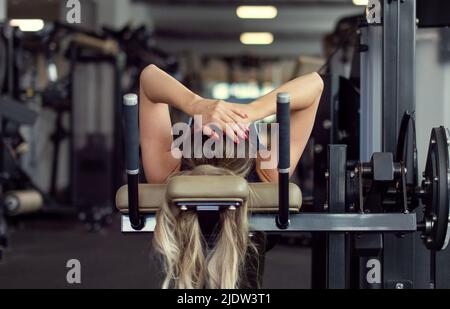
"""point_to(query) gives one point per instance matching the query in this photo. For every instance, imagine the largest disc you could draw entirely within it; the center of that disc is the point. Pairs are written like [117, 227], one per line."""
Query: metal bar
[390, 74]
[399, 37]
[208, 204]
[131, 115]
[371, 92]
[149, 223]
[322, 137]
[337, 249]
[284, 158]
[309, 222]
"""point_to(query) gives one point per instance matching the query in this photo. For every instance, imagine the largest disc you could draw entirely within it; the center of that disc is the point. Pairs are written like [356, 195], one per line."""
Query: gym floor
[39, 251]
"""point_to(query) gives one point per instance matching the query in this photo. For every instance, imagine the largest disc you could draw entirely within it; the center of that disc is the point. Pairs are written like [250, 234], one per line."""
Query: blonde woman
[188, 261]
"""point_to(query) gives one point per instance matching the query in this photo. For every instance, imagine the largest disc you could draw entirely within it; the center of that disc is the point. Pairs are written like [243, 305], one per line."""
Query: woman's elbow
[147, 71]
[319, 83]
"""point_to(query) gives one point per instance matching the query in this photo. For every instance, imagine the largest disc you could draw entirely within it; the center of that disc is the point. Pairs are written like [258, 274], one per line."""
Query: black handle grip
[131, 114]
[284, 122]
[284, 158]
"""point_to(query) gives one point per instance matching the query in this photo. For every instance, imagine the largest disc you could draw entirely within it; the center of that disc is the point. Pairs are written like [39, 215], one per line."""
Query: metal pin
[184, 208]
[233, 208]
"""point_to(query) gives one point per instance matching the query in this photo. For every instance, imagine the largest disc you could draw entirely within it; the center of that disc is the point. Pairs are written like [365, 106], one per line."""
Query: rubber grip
[131, 116]
[283, 119]
[283, 200]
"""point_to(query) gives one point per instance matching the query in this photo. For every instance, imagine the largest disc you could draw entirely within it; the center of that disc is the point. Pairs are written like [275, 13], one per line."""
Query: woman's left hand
[224, 115]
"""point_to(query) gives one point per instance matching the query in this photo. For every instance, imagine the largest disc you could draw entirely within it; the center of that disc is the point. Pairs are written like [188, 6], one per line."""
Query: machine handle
[131, 115]
[284, 158]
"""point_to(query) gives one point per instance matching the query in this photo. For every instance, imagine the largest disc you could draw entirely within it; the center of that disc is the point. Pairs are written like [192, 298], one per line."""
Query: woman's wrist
[193, 107]
[258, 110]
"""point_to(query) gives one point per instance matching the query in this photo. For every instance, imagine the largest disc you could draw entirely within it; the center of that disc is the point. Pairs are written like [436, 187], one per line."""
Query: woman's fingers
[229, 119]
[239, 112]
[240, 122]
[229, 131]
[240, 117]
[210, 132]
[233, 122]
[224, 128]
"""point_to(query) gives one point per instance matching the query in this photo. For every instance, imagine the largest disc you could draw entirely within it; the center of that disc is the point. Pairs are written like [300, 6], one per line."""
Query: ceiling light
[256, 12]
[360, 2]
[28, 25]
[257, 38]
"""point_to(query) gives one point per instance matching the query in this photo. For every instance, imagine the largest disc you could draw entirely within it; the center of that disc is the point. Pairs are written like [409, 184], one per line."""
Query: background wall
[433, 86]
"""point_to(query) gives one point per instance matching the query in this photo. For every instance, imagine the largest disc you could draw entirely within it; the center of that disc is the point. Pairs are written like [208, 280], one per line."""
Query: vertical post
[371, 92]
[3, 226]
[399, 45]
[284, 158]
[3, 10]
[73, 186]
[118, 146]
[337, 270]
[131, 112]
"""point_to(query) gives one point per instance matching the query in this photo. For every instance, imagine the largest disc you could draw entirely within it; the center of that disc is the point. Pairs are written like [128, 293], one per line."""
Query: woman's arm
[160, 87]
[158, 90]
[303, 90]
[305, 93]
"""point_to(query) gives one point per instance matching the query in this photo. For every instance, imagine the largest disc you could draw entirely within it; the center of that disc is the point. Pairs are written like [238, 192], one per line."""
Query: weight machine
[374, 208]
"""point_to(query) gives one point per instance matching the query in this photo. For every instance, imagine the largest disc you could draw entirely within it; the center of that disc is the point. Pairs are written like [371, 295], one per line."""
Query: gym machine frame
[345, 186]
[368, 204]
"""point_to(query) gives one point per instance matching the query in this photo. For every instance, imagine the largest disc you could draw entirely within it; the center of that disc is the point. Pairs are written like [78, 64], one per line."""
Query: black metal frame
[337, 243]
[311, 222]
[337, 221]
[399, 37]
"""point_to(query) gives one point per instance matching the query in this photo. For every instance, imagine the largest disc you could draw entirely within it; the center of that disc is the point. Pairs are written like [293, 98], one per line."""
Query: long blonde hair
[188, 262]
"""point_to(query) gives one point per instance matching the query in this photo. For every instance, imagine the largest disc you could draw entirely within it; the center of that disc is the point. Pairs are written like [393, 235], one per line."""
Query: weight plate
[437, 181]
[407, 148]
[406, 154]
[447, 236]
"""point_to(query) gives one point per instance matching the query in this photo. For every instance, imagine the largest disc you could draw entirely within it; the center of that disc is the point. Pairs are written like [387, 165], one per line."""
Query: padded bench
[263, 198]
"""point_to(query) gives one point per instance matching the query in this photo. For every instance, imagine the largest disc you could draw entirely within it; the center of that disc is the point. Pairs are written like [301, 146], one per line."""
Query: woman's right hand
[220, 117]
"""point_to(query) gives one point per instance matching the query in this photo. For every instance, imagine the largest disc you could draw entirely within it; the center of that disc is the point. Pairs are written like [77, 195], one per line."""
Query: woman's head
[239, 158]
[188, 261]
